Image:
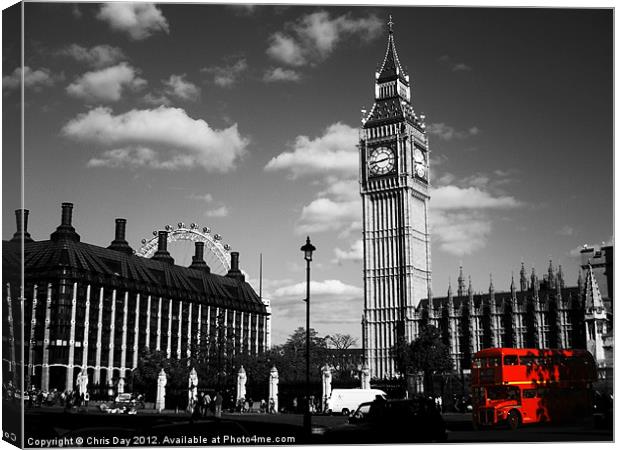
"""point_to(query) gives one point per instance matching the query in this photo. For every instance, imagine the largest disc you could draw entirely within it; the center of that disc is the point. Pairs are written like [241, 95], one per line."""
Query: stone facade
[95, 308]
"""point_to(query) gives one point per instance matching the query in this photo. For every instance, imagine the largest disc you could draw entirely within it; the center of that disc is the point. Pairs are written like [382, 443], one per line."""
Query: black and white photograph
[306, 224]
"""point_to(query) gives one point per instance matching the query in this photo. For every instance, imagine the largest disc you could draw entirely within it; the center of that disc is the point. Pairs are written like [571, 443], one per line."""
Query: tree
[427, 354]
[341, 341]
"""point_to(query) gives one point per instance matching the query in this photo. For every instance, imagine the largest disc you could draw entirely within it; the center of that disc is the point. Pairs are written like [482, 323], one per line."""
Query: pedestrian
[86, 399]
[206, 404]
[295, 404]
[263, 406]
[218, 404]
[272, 406]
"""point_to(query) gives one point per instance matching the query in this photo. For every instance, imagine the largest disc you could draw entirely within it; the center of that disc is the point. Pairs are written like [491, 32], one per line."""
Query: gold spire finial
[390, 23]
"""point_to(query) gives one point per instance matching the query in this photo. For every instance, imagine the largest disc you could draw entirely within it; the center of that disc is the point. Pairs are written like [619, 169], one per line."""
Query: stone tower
[394, 185]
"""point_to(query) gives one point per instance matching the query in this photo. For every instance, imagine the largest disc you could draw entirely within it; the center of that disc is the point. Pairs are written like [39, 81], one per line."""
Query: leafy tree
[427, 354]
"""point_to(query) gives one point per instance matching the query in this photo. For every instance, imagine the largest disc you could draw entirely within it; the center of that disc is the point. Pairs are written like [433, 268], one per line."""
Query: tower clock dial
[381, 161]
[418, 156]
[420, 170]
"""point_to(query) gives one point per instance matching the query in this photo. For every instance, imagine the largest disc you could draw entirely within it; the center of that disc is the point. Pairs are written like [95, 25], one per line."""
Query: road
[49, 422]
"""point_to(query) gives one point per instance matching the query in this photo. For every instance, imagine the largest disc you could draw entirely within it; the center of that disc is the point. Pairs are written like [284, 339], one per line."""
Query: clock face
[381, 161]
[420, 170]
[418, 156]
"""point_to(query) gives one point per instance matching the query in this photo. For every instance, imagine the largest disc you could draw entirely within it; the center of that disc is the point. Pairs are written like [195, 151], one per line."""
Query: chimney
[234, 271]
[162, 249]
[119, 243]
[198, 261]
[21, 215]
[65, 230]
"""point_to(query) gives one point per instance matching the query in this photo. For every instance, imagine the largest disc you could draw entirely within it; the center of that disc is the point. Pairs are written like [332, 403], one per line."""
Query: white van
[344, 401]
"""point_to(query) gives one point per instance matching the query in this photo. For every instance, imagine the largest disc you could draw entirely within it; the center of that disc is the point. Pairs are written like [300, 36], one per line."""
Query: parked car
[390, 421]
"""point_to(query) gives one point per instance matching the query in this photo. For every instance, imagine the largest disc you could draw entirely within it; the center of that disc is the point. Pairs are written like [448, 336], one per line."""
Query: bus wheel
[345, 412]
[514, 420]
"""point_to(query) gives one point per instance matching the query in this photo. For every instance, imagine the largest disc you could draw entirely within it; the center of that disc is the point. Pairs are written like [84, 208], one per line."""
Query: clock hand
[377, 161]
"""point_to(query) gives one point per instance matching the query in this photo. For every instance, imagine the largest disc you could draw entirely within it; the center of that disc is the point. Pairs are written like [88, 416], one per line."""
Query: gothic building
[94, 308]
[394, 187]
[533, 314]
[398, 302]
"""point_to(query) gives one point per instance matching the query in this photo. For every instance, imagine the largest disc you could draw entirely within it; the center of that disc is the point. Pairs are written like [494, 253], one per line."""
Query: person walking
[218, 404]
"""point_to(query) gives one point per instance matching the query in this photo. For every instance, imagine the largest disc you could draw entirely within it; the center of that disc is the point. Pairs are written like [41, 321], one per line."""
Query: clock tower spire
[394, 186]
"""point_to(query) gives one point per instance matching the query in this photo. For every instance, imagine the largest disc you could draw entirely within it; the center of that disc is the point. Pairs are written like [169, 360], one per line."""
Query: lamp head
[308, 249]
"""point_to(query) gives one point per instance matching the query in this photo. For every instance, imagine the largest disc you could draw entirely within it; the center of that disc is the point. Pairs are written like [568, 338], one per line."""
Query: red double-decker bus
[519, 385]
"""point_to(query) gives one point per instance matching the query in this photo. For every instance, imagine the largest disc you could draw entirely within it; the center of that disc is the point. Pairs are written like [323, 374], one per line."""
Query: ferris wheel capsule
[193, 225]
[181, 225]
[226, 247]
[143, 241]
[206, 230]
[154, 232]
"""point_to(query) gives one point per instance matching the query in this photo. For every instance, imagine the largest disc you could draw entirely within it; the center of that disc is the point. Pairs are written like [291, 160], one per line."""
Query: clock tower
[394, 185]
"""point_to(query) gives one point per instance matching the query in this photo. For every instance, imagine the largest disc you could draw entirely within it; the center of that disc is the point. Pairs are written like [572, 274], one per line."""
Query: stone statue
[192, 391]
[162, 380]
[273, 389]
[120, 387]
[242, 379]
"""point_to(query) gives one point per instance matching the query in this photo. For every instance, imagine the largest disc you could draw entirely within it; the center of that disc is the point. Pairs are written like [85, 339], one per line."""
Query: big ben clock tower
[394, 184]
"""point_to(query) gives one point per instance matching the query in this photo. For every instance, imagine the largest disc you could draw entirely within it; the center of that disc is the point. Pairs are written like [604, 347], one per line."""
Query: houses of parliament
[398, 301]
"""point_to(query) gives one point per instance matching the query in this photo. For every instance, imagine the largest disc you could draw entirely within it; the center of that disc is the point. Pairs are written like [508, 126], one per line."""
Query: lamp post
[308, 248]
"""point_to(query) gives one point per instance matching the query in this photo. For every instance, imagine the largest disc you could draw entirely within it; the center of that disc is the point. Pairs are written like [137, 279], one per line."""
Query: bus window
[502, 393]
[494, 361]
[529, 393]
[476, 363]
[510, 360]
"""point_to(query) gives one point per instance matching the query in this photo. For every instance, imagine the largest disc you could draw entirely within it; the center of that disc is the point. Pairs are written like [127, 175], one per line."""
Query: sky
[246, 118]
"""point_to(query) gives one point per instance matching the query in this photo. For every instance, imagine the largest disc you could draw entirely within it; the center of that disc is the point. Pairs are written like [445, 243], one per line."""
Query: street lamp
[308, 249]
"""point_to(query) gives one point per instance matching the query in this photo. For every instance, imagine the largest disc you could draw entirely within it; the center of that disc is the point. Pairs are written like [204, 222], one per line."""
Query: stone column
[124, 334]
[327, 385]
[99, 344]
[33, 326]
[112, 330]
[179, 331]
[169, 336]
[86, 331]
[365, 376]
[273, 387]
[147, 339]
[136, 334]
[188, 352]
[158, 342]
[45, 368]
[11, 336]
[70, 361]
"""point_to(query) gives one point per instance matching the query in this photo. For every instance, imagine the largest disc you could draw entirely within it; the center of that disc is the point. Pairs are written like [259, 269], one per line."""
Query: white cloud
[327, 288]
[454, 198]
[459, 219]
[222, 211]
[460, 233]
[228, 75]
[354, 253]
[164, 138]
[314, 37]
[138, 20]
[178, 87]
[278, 74]
[97, 57]
[106, 85]
[448, 133]
[33, 79]
[324, 214]
[333, 153]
